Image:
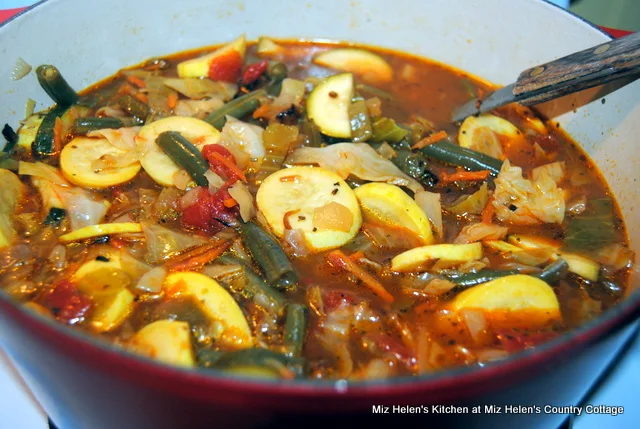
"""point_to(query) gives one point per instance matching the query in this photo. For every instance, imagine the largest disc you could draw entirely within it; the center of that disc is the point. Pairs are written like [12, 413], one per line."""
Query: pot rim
[147, 370]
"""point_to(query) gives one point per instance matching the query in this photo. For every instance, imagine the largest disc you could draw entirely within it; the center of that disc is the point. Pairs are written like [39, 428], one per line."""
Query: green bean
[207, 358]
[256, 288]
[386, 129]
[86, 125]
[55, 85]
[134, 107]
[415, 165]
[472, 279]
[277, 72]
[44, 146]
[361, 129]
[277, 363]
[10, 136]
[454, 154]
[54, 216]
[295, 328]
[185, 155]
[309, 129]
[269, 256]
[237, 108]
[554, 272]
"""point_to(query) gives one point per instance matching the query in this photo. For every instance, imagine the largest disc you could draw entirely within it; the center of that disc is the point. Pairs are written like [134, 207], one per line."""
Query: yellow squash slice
[372, 67]
[388, 205]
[302, 195]
[10, 193]
[414, 258]
[514, 293]
[78, 156]
[481, 133]
[168, 341]
[328, 105]
[216, 303]
[155, 162]
[199, 67]
[99, 230]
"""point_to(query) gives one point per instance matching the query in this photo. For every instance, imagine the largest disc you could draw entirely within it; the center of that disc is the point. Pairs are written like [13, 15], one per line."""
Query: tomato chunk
[208, 213]
[226, 68]
[253, 72]
[66, 302]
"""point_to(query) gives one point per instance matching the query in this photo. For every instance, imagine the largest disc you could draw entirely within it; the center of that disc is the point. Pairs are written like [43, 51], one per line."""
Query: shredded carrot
[464, 176]
[230, 202]
[228, 164]
[195, 258]
[141, 97]
[339, 259]
[118, 243]
[139, 82]
[57, 135]
[355, 256]
[287, 215]
[430, 139]
[263, 111]
[488, 211]
[172, 100]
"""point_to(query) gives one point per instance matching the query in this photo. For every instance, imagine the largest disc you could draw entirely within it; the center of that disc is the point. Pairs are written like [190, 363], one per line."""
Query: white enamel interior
[493, 39]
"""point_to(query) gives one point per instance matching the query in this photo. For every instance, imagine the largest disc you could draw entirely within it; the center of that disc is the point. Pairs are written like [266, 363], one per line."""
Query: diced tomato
[253, 72]
[208, 213]
[226, 67]
[66, 302]
[334, 298]
[222, 162]
[514, 341]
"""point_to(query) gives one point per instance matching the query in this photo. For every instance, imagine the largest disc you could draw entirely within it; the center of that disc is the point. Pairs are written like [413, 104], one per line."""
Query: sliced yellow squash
[216, 303]
[28, 130]
[111, 311]
[414, 258]
[11, 191]
[302, 194]
[481, 133]
[199, 67]
[100, 230]
[168, 341]
[502, 246]
[584, 267]
[267, 46]
[515, 293]
[328, 105]
[155, 162]
[386, 204]
[372, 67]
[78, 156]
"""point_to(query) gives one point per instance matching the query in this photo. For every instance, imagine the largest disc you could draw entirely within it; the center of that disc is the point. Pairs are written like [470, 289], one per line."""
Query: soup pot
[85, 383]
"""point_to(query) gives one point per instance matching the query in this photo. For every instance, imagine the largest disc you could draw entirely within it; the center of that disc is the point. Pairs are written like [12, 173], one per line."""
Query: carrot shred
[228, 164]
[263, 111]
[488, 211]
[464, 176]
[57, 135]
[430, 139]
[194, 258]
[230, 202]
[355, 256]
[172, 100]
[339, 259]
[139, 82]
[141, 97]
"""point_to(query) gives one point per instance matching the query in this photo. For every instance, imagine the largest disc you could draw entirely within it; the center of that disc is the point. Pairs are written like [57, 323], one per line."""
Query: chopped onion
[374, 106]
[430, 203]
[490, 355]
[152, 280]
[197, 108]
[243, 197]
[45, 171]
[83, 207]
[20, 69]
[182, 180]
[162, 242]
[58, 256]
[190, 198]
[555, 170]
[386, 150]
[358, 159]
[481, 231]
[215, 182]
[29, 107]
[292, 92]
[475, 321]
[332, 216]
[244, 141]
[297, 242]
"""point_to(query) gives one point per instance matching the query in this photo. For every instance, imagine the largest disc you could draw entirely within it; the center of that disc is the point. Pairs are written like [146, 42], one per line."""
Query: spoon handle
[581, 70]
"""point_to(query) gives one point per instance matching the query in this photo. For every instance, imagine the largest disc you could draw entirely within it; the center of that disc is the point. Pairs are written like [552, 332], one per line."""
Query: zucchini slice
[168, 341]
[328, 105]
[372, 67]
[414, 258]
[199, 67]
